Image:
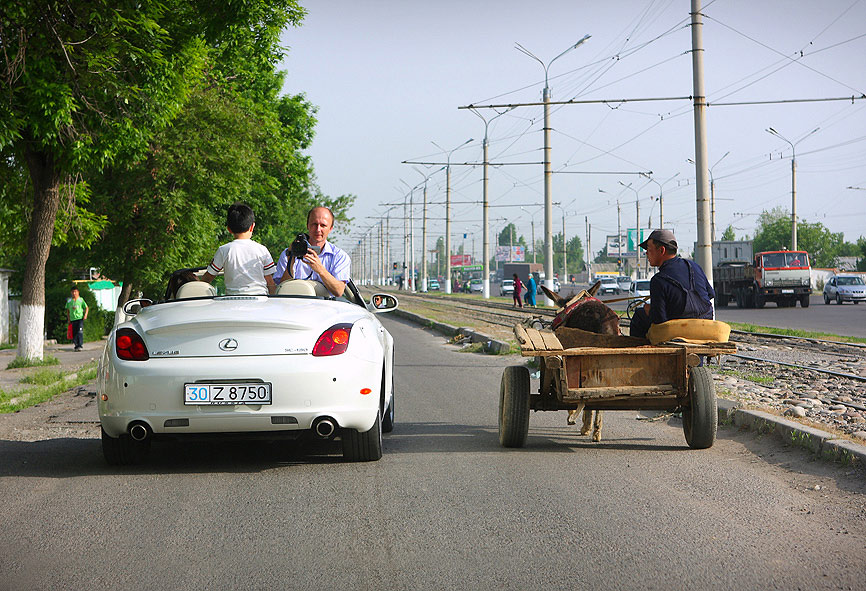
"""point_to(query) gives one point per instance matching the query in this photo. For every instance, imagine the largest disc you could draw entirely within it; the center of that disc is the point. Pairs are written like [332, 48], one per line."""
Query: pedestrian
[531, 289]
[518, 287]
[76, 314]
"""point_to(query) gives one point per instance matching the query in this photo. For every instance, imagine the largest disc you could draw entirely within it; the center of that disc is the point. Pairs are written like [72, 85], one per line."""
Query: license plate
[787, 291]
[241, 393]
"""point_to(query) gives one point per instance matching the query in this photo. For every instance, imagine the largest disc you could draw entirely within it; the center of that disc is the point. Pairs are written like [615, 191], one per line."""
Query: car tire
[124, 450]
[700, 419]
[838, 299]
[363, 446]
[514, 406]
[826, 299]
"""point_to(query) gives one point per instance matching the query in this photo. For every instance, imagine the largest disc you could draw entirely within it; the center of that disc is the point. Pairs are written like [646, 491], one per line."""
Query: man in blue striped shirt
[323, 262]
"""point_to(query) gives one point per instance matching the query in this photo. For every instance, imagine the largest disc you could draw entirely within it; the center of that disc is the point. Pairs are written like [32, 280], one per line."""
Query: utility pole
[618, 238]
[703, 251]
[548, 197]
[448, 213]
[793, 181]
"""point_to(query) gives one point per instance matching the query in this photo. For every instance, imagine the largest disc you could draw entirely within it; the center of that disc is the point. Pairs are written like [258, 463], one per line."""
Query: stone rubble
[798, 392]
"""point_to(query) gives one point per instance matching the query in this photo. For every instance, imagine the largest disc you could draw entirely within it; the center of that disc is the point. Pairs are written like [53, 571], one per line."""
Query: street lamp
[448, 213]
[712, 196]
[618, 233]
[637, 239]
[424, 231]
[532, 222]
[564, 244]
[548, 199]
[793, 180]
[661, 195]
[486, 207]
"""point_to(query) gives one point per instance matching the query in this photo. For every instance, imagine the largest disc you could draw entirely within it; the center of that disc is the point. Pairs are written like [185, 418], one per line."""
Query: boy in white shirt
[247, 265]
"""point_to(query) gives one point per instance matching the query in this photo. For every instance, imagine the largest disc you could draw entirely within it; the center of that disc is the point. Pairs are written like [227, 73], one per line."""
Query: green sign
[632, 233]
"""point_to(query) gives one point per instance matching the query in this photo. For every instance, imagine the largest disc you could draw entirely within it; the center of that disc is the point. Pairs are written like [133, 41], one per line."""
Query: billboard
[613, 246]
[627, 242]
[460, 260]
[510, 254]
[632, 234]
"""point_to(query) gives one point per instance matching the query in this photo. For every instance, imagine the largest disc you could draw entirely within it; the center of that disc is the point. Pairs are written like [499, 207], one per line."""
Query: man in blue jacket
[679, 289]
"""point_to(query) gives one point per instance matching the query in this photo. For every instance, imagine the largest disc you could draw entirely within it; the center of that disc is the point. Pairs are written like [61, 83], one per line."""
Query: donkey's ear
[557, 299]
[592, 290]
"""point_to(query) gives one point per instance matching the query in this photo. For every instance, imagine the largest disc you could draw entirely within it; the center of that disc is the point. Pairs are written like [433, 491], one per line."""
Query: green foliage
[22, 362]
[774, 233]
[729, 233]
[575, 255]
[42, 377]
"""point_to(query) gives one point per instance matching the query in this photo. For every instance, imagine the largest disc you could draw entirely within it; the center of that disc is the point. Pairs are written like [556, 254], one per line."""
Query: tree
[86, 85]
[729, 233]
[774, 233]
[574, 258]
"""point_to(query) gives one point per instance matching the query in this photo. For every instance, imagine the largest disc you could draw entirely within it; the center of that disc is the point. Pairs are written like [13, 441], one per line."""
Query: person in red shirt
[518, 287]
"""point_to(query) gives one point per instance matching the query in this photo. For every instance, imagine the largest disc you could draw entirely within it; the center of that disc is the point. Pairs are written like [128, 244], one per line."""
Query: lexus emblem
[228, 344]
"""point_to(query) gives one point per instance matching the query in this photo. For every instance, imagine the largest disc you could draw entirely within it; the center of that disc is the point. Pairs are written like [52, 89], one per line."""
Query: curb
[491, 345]
[821, 443]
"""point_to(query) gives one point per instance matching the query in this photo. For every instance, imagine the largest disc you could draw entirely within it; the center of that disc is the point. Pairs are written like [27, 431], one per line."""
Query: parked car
[476, 286]
[608, 285]
[556, 286]
[297, 363]
[433, 285]
[624, 283]
[640, 288]
[507, 287]
[845, 288]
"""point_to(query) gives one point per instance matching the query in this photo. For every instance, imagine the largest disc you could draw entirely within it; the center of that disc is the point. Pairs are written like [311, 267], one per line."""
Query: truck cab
[783, 276]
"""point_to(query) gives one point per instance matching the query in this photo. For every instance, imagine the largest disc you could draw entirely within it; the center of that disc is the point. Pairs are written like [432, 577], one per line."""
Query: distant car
[433, 285]
[608, 285]
[845, 288]
[556, 286]
[476, 285]
[624, 283]
[507, 287]
[639, 289]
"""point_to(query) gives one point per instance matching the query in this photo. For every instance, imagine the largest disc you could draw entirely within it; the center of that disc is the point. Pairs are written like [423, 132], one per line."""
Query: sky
[388, 78]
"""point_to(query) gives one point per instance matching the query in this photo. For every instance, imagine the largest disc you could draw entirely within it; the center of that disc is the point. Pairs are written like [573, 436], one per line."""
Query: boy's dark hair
[73, 288]
[240, 218]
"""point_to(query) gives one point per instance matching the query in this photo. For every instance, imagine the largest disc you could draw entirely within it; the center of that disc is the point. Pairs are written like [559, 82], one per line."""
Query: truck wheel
[700, 419]
[722, 301]
[514, 406]
[759, 300]
[804, 300]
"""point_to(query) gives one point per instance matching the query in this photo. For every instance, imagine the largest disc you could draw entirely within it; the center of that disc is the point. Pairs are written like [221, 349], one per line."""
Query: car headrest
[302, 287]
[196, 289]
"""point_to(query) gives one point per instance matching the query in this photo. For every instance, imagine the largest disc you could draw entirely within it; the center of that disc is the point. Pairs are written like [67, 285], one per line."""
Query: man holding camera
[322, 261]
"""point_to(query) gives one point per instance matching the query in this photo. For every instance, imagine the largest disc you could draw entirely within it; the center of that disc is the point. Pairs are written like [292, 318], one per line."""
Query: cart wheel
[514, 406]
[700, 419]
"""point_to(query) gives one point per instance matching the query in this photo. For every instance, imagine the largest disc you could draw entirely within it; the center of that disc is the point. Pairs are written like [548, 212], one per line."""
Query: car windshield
[849, 281]
[642, 285]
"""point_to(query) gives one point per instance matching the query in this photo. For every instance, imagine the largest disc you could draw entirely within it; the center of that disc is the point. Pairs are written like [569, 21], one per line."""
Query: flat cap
[665, 237]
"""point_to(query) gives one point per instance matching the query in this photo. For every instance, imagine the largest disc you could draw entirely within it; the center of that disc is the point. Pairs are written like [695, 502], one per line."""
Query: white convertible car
[298, 362]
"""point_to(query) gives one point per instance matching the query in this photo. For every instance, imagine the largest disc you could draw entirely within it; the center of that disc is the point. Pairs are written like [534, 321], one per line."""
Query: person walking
[531, 290]
[76, 314]
[518, 287]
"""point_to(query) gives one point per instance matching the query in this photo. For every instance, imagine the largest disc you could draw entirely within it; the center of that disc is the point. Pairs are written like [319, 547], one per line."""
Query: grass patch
[22, 362]
[752, 377]
[43, 377]
[793, 332]
[5, 346]
[16, 400]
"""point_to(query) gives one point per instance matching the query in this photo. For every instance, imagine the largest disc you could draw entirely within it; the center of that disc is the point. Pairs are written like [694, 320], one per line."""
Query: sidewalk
[70, 361]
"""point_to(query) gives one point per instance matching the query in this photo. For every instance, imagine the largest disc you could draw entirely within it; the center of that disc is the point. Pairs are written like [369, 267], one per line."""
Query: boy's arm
[86, 310]
[272, 287]
[207, 277]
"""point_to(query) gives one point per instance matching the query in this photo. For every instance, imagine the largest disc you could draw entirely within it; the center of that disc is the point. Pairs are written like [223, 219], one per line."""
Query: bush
[55, 313]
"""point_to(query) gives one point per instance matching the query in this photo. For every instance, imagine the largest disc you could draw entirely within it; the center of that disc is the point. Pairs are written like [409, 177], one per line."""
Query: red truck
[781, 276]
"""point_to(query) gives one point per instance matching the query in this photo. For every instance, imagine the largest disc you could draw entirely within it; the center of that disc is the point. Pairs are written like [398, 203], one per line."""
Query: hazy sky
[388, 77]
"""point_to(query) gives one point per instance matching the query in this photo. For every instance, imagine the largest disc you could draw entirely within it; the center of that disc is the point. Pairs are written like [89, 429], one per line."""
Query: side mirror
[133, 307]
[383, 302]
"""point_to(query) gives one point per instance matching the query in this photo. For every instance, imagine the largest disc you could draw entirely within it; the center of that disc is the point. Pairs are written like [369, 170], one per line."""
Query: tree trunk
[46, 201]
[125, 291]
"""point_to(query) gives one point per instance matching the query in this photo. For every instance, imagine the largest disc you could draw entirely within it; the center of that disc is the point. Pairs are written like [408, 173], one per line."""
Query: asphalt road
[445, 508]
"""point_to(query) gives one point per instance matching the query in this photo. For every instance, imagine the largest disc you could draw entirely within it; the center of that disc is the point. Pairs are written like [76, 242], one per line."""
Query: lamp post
[424, 231]
[448, 213]
[618, 233]
[548, 199]
[661, 195]
[564, 244]
[637, 239]
[793, 180]
[485, 254]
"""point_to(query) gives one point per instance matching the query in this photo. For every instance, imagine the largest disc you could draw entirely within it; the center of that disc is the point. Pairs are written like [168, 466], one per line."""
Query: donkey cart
[580, 369]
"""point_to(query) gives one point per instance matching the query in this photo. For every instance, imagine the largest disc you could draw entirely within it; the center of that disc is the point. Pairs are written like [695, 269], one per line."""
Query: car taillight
[333, 341]
[130, 346]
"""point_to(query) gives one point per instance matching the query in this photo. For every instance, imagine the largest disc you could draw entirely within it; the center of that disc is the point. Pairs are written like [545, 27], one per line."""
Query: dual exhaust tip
[323, 427]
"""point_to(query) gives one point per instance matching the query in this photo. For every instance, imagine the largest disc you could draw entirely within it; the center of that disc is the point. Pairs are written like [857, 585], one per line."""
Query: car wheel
[124, 450]
[514, 406]
[700, 419]
[826, 299]
[363, 447]
[838, 299]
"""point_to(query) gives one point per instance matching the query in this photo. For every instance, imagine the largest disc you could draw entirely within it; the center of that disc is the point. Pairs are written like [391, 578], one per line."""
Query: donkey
[591, 315]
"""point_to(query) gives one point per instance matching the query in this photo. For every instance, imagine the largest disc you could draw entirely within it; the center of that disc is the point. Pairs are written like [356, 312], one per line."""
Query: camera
[300, 246]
